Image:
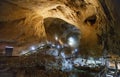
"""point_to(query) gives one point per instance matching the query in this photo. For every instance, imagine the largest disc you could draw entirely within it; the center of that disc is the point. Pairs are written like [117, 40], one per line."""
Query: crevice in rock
[91, 20]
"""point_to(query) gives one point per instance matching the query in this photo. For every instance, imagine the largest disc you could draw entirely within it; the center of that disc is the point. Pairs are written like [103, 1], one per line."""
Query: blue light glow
[32, 48]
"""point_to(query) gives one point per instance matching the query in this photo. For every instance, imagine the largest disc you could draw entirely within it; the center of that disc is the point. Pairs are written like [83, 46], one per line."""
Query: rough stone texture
[21, 22]
[113, 34]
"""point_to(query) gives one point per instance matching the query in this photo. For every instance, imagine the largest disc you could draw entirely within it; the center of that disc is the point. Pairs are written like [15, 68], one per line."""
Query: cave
[58, 29]
[59, 38]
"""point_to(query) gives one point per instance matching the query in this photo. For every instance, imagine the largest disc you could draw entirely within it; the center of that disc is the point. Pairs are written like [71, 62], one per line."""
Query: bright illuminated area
[71, 41]
[59, 38]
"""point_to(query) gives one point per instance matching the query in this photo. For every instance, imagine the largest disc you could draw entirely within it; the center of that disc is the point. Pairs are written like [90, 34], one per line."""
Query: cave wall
[111, 9]
[22, 21]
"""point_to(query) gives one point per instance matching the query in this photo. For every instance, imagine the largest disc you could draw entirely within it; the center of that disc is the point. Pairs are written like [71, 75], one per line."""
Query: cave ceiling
[22, 22]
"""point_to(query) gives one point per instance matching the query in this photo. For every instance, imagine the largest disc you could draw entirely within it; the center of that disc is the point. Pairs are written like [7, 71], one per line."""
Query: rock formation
[22, 22]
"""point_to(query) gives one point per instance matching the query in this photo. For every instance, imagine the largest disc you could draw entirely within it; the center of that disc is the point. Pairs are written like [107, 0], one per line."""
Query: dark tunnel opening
[58, 29]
